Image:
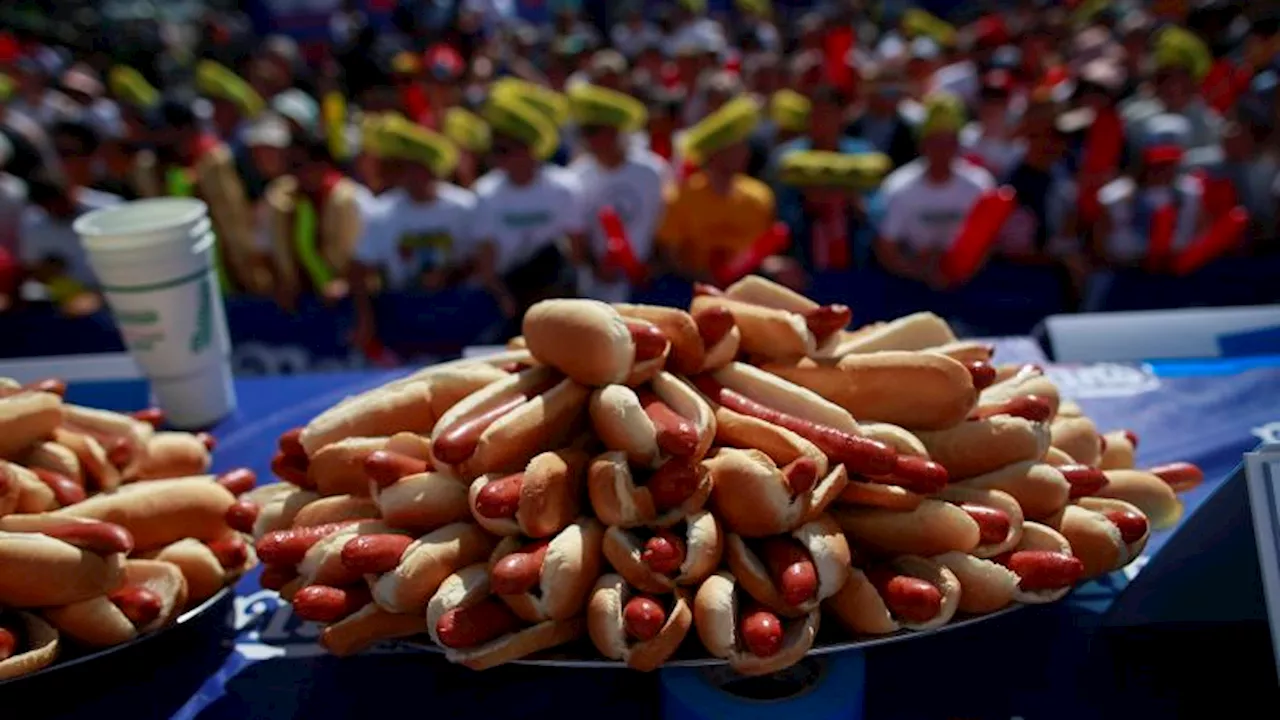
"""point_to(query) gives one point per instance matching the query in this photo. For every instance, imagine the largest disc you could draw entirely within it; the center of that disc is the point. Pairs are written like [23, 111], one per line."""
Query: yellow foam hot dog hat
[723, 128]
[467, 130]
[404, 140]
[551, 104]
[129, 87]
[218, 81]
[817, 168]
[510, 116]
[790, 110]
[1177, 47]
[595, 105]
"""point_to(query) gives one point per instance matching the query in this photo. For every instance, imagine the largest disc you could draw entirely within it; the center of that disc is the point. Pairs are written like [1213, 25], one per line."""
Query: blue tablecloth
[1054, 661]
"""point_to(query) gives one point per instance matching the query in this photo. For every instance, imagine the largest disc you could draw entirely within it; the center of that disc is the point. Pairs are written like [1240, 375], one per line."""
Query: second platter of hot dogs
[723, 482]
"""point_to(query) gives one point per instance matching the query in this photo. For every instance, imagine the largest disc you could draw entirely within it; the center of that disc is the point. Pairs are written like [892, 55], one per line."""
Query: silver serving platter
[80, 658]
[692, 654]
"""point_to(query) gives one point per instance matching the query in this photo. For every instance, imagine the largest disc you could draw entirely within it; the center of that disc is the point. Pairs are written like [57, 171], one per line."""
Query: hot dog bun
[40, 571]
[607, 630]
[39, 650]
[978, 447]
[752, 498]
[550, 496]
[26, 493]
[161, 511]
[205, 576]
[1095, 539]
[859, 607]
[95, 468]
[704, 547]
[1079, 438]
[338, 468]
[586, 340]
[427, 562]
[424, 502]
[571, 565]
[1026, 380]
[764, 332]
[28, 418]
[544, 422]
[1120, 454]
[366, 627]
[335, 508]
[985, 586]
[412, 406]
[99, 623]
[169, 455]
[918, 331]
[1148, 492]
[52, 456]
[688, 355]
[1042, 537]
[912, 389]
[827, 548]
[715, 612]
[470, 585]
[933, 528]
[621, 423]
[1040, 489]
[998, 500]
[618, 500]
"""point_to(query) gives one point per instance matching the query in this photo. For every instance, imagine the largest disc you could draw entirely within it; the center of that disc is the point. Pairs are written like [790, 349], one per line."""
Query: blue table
[1062, 661]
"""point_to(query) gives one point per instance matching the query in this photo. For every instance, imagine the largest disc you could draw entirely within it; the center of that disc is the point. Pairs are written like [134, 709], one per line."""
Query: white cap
[269, 130]
[1167, 129]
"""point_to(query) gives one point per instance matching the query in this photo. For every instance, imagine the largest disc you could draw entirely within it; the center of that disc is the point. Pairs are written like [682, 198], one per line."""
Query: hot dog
[340, 468]
[268, 507]
[65, 490]
[367, 626]
[978, 447]
[1180, 476]
[1079, 438]
[916, 390]
[1153, 496]
[508, 422]
[630, 497]
[168, 455]
[754, 640]
[640, 630]
[1020, 381]
[908, 592]
[124, 438]
[696, 343]
[160, 512]
[426, 563]
[478, 631]
[336, 508]
[538, 502]
[967, 351]
[97, 471]
[918, 331]
[206, 567]
[659, 560]
[548, 579]
[775, 322]
[914, 476]
[27, 644]
[287, 548]
[1040, 489]
[412, 405]
[755, 498]
[791, 574]
[998, 515]
[746, 390]
[418, 502]
[327, 604]
[593, 343]
[1119, 451]
[28, 418]
[57, 562]
[933, 528]
[57, 458]
[985, 585]
[662, 420]
[1043, 562]
[1104, 534]
[153, 594]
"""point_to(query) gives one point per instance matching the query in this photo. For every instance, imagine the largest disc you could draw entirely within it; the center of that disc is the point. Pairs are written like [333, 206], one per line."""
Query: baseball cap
[269, 130]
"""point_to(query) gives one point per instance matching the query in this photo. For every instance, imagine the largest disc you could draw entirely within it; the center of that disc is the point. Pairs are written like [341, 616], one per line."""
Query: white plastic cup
[154, 260]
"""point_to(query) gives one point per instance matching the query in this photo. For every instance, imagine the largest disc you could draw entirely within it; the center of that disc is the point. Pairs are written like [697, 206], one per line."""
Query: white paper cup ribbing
[155, 262]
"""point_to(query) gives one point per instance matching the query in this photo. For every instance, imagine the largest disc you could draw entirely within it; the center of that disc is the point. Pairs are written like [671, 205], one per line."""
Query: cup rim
[140, 221]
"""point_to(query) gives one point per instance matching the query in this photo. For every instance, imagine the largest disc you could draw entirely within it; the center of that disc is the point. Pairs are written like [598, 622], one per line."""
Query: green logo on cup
[203, 333]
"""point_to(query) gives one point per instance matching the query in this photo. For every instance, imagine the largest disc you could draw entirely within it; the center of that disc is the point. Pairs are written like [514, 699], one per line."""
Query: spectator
[1128, 233]
[526, 209]
[927, 200]
[234, 101]
[634, 35]
[614, 173]
[990, 140]
[420, 237]
[83, 87]
[49, 248]
[31, 93]
[1098, 151]
[881, 123]
[1244, 177]
[1182, 60]
[1039, 229]
[190, 162]
[820, 201]
[471, 135]
[268, 141]
[317, 217]
[717, 212]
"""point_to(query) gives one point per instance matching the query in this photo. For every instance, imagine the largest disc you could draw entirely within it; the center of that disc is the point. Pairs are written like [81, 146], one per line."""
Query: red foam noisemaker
[1221, 237]
[1102, 148]
[1164, 222]
[618, 250]
[978, 234]
[771, 242]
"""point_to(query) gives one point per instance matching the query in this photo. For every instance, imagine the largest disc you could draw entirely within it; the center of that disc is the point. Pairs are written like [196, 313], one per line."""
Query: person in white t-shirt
[928, 200]
[419, 232]
[614, 174]
[527, 213]
[49, 248]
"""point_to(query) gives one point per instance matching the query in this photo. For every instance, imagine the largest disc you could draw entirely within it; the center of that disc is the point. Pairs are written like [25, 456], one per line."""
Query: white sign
[1262, 469]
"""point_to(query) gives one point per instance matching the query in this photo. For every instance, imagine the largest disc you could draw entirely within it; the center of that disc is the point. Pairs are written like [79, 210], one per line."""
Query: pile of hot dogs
[109, 528]
[632, 473]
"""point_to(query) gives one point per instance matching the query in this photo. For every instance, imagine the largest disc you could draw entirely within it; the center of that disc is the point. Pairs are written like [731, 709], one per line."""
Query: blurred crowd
[461, 145]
